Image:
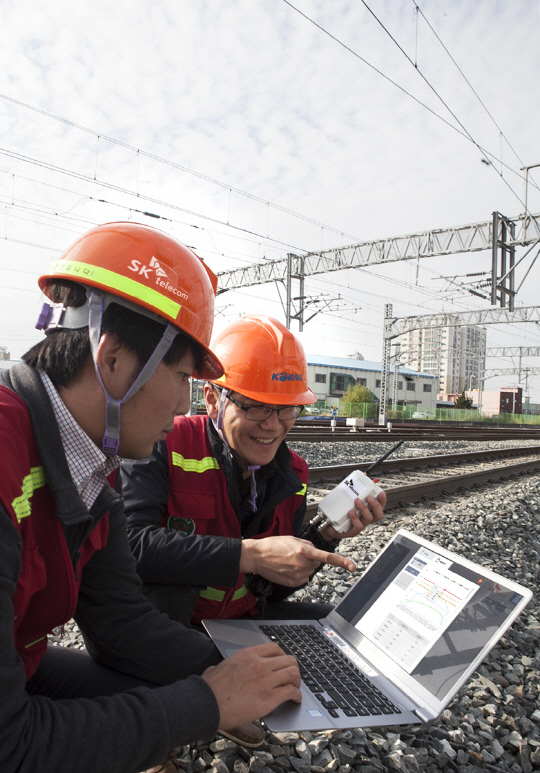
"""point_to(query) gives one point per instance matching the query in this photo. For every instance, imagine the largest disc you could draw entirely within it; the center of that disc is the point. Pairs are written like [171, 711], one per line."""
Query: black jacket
[125, 732]
[166, 557]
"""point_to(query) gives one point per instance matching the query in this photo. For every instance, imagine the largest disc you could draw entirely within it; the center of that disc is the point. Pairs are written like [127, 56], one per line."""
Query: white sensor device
[336, 505]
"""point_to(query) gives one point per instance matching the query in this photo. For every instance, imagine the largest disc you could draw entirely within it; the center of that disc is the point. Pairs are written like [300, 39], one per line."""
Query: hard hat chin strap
[219, 426]
[252, 468]
[57, 316]
[218, 423]
[111, 438]
[221, 432]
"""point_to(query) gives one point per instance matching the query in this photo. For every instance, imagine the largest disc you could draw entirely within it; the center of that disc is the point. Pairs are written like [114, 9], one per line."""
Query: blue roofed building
[329, 378]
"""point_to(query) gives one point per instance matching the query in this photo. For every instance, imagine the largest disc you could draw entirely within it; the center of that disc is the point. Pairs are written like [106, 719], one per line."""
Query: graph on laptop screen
[432, 616]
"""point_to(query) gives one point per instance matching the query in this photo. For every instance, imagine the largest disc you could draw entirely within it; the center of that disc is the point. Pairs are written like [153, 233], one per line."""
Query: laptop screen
[430, 614]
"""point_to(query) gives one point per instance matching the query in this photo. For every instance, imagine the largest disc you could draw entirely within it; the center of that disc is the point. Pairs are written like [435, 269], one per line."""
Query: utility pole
[525, 169]
[289, 316]
[397, 351]
[480, 390]
[288, 283]
[503, 284]
[385, 365]
[302, 295]
[296, 270]
[526, 370]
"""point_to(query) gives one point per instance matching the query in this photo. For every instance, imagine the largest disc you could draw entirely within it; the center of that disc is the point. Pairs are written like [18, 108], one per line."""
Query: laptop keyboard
[335, 681]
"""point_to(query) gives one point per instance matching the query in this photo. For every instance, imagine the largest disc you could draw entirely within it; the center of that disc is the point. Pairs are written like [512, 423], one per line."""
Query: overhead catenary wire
[128, 207]
[220, 183]
[423, 291]
[463, 131]
[439, 97]
[418, 10]
[174, 165]
[399, 300]
[238, 236]
[140, 196]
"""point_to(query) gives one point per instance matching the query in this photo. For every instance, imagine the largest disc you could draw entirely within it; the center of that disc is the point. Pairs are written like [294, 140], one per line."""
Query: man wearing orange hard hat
[127, 322]
[215, 516]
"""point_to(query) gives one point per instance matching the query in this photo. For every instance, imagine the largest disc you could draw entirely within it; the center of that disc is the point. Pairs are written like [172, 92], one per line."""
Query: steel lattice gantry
[510, 372]
[492, 351]
[513, 351]
[522, 230]
[428, 244]
[494, 316]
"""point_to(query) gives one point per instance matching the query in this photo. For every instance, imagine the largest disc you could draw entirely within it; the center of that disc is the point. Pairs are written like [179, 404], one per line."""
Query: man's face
[149, 415]
[253, 442]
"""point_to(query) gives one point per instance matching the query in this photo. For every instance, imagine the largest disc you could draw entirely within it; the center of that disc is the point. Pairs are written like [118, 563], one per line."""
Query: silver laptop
[398, 646]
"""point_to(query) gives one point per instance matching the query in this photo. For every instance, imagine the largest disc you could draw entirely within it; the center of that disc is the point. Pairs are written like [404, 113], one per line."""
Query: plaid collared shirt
[88, 465]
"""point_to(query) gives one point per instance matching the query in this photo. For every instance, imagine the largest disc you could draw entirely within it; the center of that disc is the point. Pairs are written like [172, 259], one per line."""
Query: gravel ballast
[494, 721]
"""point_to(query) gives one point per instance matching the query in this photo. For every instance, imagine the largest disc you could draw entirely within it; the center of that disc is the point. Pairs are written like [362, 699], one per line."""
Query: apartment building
[456, 354]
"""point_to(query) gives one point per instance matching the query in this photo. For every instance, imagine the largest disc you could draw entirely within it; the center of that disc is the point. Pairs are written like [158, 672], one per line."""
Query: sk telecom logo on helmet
[141, 268]
[283, 376]
[161, 277]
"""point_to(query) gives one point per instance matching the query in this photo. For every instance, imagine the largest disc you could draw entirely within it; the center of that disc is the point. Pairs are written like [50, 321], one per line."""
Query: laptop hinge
[423, 715]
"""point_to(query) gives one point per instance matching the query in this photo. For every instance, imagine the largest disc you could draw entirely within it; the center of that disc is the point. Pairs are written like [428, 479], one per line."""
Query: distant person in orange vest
[216, 514]
[128, 320]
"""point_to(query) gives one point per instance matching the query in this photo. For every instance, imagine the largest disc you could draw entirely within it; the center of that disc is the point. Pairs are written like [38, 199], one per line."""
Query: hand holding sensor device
[334, 508]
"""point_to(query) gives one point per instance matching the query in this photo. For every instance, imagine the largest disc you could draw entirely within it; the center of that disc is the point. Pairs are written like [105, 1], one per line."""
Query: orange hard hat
[150, 269]
[263, 360]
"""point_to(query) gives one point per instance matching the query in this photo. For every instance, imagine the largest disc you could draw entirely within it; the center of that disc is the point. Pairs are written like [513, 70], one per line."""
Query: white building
[329, 378]
[456, 354]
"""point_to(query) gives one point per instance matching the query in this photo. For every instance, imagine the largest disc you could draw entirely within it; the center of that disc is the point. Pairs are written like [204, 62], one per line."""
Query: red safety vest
[198, 504]
[47, 590]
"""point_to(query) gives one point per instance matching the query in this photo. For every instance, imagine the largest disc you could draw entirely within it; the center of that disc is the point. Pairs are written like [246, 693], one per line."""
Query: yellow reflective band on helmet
[34, 480]
[218, 595]
[114, 281]
[302, 491]
[195, 465]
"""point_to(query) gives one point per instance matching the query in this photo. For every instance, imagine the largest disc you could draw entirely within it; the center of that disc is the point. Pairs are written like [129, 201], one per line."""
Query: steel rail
[340, 471]
[418, 426]
[414, 492]
[376, 436]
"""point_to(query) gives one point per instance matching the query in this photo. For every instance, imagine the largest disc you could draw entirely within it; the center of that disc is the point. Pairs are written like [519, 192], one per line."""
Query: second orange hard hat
[263, 360]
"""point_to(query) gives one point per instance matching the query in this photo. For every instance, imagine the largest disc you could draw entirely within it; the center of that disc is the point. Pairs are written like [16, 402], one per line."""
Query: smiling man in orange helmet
[215, 516]
[128, 320]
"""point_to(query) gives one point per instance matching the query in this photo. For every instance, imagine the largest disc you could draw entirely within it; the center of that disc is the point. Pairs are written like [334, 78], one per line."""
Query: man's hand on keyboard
[252, 682]
[287, 560]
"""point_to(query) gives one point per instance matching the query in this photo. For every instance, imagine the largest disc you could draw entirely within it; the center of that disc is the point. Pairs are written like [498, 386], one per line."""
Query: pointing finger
[337, 560]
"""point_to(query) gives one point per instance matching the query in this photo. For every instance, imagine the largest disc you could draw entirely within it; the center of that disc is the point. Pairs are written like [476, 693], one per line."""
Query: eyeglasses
[262, 412]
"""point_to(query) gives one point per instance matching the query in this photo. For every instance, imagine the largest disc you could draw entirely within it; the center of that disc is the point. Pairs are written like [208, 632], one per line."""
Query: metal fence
[414, 413]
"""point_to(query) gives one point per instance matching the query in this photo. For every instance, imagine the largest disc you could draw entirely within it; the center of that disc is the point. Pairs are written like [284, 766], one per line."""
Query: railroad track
[422, 426]
[411, 479]
[369, 435]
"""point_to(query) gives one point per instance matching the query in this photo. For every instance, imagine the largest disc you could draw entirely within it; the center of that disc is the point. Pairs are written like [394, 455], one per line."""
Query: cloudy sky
[254, 128]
